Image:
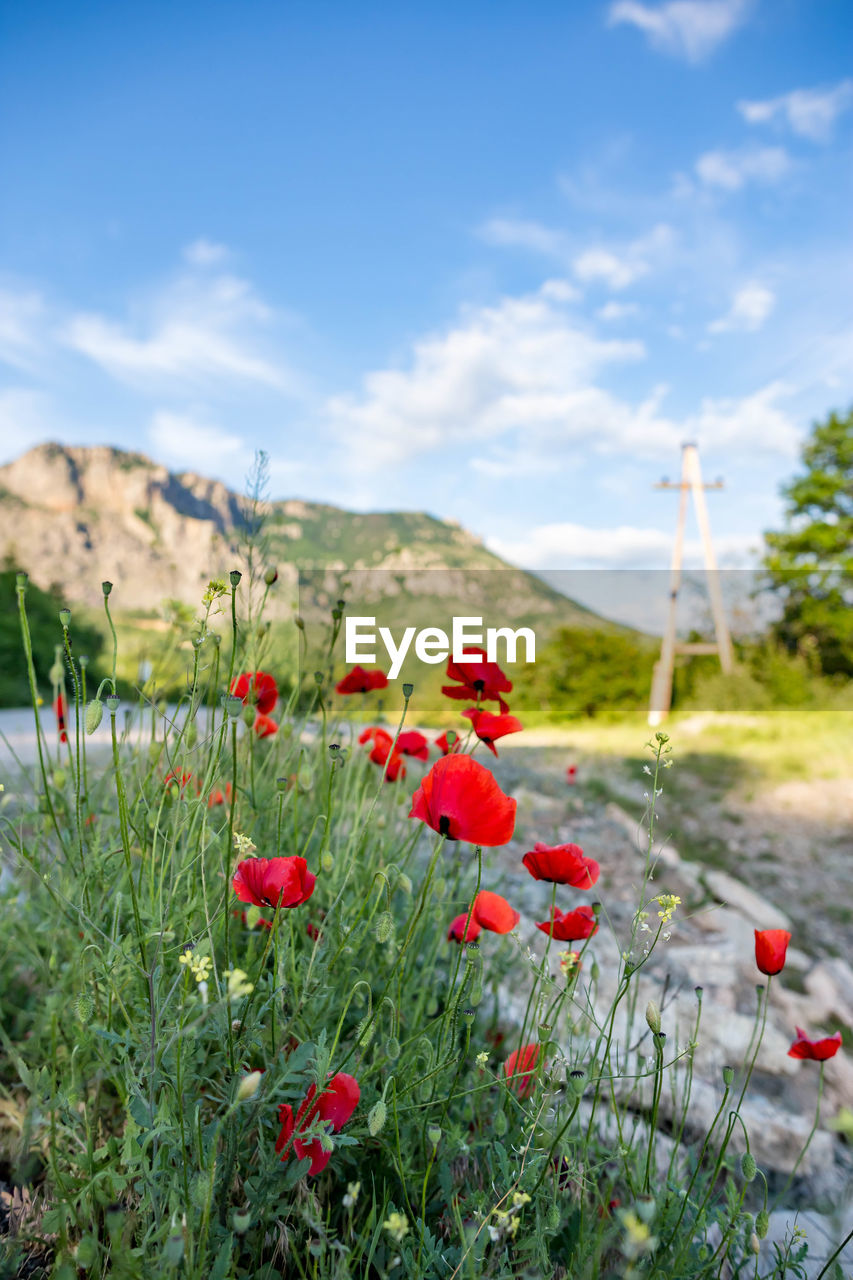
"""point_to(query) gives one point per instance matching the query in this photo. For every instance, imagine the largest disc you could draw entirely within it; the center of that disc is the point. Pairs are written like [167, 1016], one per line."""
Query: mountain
[78, 515]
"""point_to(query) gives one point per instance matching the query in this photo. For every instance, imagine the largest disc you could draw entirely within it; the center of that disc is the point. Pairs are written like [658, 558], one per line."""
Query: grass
[238, 1042]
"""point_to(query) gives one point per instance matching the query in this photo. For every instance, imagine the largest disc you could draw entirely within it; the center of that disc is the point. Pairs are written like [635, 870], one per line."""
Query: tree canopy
[810, 562]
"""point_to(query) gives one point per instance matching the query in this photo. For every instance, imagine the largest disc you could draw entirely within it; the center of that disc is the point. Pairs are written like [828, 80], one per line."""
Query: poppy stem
[807, 1143]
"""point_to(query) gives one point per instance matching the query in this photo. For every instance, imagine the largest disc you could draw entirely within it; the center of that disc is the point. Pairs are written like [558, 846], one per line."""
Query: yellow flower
[397, 1226]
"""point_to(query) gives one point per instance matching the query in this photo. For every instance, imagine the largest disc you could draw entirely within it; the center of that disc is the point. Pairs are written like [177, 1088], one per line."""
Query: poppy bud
[364, 1032]
[233, 706]
[434, 1135]
[84, 1007]
[271, 576]
[500, 1124]
[653, 1017]
[59, 778]
[577, 1080]
[404, 882]
[748, 1166]
[553, 1217]
[241, 1222]
[94, 714]
[392, 1048]
[249, 715]
[300, 622]
[762, 1223]
[384, 926]
[65, 618]
[728, 1076]
[248, 1086]
[545, 1029]
[21, 579]
[113, 704]
[83, 660]
[376, 1118]
[235, 575]
[106, 587]
[57, 671]
[754, 1243]
[408, 690]
[327, 862]
[337, 614]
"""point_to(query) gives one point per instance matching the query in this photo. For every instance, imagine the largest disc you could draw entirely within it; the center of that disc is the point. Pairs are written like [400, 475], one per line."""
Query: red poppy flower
[218, 797]
[494, 912]
[570, 926]
[770, 948]
[489, 727]
[457, 931]
[520, 1068]
[360, 681]
[413, 744]
[59, 709]
[815, 1050]
[382, 744]
[258, 688]
[264, 727]
[449, 748]
[182, 779]
[572, 774]
[562, 864]
[335, 1106]
[274, 882]
[460, 799]
[479, 679]
[313, 932]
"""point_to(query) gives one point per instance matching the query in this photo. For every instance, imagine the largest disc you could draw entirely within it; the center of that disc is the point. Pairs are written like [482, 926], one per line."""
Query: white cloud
[601, 264]
[690, 29]
[517, 233]
[613, 311]
[514, 389]
[518, 365]
[205, 253]
[565, 545]
[617, 267]
[186, 439]
[730, 170]
[197, 329]
[810, 113]
[750, 307]
[21, 319]
[622, 268]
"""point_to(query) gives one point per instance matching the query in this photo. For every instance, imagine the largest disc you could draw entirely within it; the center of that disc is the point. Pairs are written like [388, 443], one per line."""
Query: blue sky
[492, 260]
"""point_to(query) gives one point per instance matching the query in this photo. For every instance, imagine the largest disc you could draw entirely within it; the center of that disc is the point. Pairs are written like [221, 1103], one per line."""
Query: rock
[735, 894]
[823, 1234]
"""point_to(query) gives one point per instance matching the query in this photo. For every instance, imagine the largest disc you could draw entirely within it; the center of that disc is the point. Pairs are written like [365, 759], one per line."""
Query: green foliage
[584, 673]
[810, 563]
[46, 633]
[140, 997]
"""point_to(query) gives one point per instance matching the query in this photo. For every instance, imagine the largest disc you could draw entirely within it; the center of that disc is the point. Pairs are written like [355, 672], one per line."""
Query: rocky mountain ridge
[75, 515]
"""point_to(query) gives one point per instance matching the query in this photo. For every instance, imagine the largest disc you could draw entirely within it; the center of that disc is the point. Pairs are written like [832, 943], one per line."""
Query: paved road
[18, 736]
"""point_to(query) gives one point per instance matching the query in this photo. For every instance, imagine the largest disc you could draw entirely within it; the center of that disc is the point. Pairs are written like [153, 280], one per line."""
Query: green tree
[43, 613]
[581, 673]
[810, 563]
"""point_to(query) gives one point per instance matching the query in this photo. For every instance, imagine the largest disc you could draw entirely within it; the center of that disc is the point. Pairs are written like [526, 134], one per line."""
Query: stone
[735, 894]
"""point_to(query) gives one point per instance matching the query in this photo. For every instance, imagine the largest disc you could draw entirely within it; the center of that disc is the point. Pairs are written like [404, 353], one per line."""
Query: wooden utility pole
[691, 482]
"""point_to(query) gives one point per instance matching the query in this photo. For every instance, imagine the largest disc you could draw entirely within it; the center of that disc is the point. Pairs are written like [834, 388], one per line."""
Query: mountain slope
[78, 515]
